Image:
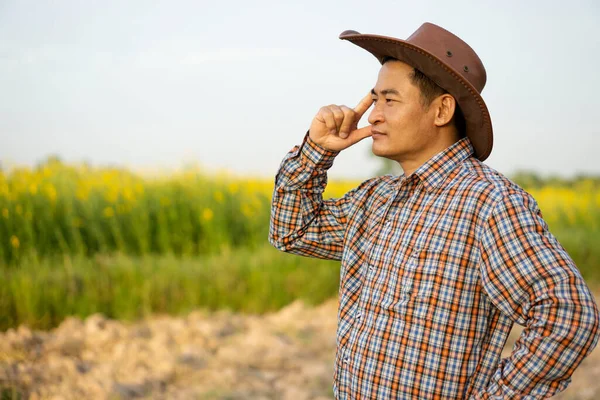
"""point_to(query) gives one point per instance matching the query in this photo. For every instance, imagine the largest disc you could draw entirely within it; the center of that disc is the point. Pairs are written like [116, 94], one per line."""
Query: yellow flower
[5, 212]
[112, 195]
[33, 188]
[218, 196]
[233, 188]
[108, 212]
[19, 209]
[50, 192]
[139, 188]
[14, 242]
[128, 195]
[207, 214]
[247, 210]
[82, 193]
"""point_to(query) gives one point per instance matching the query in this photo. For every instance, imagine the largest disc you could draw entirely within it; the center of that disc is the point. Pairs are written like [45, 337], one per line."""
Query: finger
[346, 127]
[363, 106]
[338, 116]
[359, 134]
[327, 117]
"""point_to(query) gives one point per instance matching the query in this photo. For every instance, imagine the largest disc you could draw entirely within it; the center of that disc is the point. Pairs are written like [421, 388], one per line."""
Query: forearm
[531, 278]
[301, 222]
[562, 329]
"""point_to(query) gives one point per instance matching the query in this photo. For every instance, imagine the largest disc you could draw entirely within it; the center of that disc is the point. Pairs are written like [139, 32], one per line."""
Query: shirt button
[346, 360]
[357, 315]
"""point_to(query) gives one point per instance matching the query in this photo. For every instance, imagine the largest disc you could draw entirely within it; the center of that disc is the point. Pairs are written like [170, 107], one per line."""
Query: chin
[386, 152]
[380, 151]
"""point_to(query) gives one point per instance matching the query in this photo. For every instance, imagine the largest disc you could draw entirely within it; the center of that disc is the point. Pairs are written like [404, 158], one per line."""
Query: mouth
[376, 134]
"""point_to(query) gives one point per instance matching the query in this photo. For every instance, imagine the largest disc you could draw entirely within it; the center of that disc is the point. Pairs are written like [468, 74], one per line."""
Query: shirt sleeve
[530, 277]
[301, 221]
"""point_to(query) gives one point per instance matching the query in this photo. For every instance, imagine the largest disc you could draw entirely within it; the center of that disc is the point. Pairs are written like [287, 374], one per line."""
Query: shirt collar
[434, 171]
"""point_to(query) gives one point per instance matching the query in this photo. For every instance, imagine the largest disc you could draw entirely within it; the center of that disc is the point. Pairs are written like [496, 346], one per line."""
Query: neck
[410, 165]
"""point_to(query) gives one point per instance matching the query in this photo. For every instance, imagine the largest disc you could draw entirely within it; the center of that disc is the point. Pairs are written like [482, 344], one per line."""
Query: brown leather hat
[449, 62]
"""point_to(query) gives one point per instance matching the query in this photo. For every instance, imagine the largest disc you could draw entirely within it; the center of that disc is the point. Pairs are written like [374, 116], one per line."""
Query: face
[407, 128]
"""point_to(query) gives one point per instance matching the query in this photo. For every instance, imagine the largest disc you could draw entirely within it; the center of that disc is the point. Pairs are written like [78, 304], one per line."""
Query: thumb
[359, 134]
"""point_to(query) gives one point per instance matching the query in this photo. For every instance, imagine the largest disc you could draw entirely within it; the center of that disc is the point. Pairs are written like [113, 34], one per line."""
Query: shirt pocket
[429, 286]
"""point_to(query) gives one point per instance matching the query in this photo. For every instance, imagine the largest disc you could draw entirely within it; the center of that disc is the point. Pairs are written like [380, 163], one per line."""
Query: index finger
[363, 106]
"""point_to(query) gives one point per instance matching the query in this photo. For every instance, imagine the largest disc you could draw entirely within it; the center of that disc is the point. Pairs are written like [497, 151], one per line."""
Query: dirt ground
[284, 355]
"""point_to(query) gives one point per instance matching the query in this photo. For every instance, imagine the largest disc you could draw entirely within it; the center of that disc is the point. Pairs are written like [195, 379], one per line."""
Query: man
[439, 263]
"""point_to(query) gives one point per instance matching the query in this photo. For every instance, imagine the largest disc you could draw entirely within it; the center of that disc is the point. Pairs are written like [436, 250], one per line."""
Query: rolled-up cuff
[316, 156]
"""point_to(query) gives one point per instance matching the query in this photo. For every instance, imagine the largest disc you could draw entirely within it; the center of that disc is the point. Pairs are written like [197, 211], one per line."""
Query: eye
[386, 100]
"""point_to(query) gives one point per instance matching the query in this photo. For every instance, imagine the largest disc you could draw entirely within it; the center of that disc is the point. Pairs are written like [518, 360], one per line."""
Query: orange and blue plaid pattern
[435, 269]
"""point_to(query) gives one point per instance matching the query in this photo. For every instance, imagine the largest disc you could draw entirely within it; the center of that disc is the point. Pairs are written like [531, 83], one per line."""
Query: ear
[444, 110]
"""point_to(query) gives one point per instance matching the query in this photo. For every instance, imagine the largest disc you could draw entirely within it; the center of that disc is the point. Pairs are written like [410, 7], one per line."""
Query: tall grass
[40, 294]
[76, 240]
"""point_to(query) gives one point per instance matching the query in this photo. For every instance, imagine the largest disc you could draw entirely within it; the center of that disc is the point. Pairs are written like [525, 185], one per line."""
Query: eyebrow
[386, 91]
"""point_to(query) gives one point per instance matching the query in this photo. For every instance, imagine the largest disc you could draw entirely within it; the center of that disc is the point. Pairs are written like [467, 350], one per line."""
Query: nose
[376, 115]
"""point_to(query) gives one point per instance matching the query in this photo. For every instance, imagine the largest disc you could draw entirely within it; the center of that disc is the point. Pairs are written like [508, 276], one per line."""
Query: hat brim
[477, 117]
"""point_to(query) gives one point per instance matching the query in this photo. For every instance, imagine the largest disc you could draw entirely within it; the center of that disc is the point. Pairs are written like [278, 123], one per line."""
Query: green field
[77, 240]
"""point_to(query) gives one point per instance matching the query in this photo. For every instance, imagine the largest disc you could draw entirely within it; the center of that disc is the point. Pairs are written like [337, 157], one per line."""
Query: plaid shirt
[435, 269]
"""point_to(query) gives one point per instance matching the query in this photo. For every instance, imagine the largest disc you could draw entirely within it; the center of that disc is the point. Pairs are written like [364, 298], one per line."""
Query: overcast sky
[235, 84]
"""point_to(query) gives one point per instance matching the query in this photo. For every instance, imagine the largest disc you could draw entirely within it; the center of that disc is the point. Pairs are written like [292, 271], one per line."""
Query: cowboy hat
[450, 63]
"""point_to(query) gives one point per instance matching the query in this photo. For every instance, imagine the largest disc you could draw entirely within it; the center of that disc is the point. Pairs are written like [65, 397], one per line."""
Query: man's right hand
[335, 127]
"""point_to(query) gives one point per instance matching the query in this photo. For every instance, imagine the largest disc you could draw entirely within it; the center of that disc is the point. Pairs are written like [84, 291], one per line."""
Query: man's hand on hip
[335, 127]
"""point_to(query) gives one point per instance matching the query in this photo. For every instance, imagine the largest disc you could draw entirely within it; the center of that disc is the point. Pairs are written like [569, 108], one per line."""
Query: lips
[376, 133]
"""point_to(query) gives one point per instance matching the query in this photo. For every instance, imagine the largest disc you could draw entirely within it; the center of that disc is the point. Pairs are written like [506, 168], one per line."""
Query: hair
[429, 92]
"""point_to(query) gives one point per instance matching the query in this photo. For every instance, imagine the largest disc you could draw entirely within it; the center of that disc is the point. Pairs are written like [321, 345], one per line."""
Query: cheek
[403, 120]
[415, 118]
[396, 116]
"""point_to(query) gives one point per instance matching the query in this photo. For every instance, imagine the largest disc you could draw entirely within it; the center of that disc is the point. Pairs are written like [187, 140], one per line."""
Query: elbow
[275, 237]
[594, 326]
[284, 243]
[279, 241]
[282, 237]
[589, 327]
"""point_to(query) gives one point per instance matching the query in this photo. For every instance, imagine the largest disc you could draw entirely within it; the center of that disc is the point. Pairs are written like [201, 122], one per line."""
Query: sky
[235, 84]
